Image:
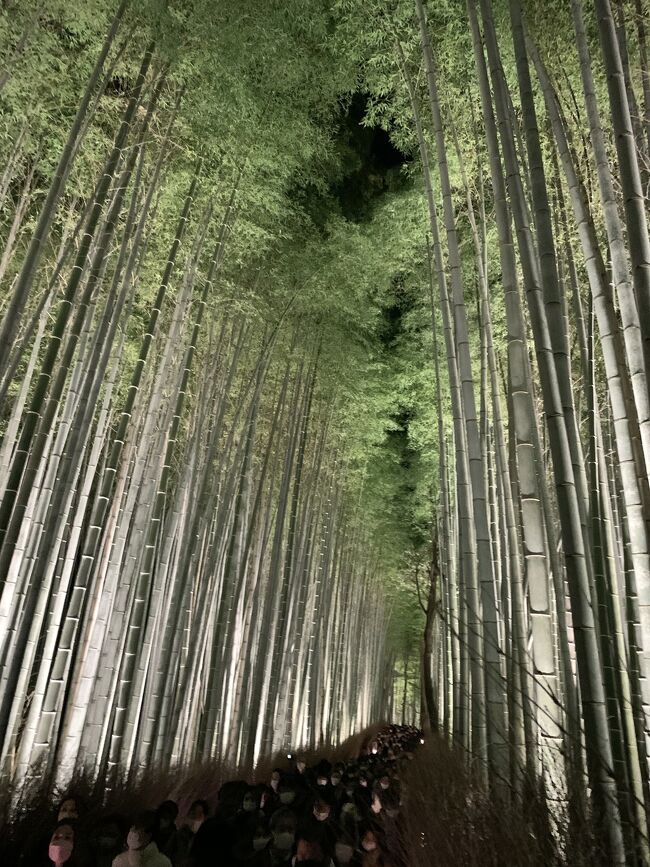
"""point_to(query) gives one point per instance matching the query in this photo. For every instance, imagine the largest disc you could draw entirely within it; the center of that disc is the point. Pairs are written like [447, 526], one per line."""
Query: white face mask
[322, 781]
[384, 785]
[259, 843]
[283, 840]
[61, 851]
[343, 853]
[321, 815]
[136, 840]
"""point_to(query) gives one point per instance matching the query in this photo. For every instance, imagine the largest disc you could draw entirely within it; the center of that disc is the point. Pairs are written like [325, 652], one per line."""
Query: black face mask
[107, 843]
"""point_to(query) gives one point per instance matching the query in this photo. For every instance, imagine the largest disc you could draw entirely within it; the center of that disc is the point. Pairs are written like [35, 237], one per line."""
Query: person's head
[309, 850]
[249, 802]
[142, 831]
[301, 764]
[231, 794]
[350, 811]
[167, 813]
[61, 842]
[369, 840]
[336, 778]
[276, 776]
[283, 830]
[321, 810]
[286, 792]
[261, 836]
[197, 814]
[69, 807]
[384, 781]
[110, 834]
[343, 851]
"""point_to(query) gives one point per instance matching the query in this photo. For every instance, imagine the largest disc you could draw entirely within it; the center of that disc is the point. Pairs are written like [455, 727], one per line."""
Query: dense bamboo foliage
[324, 365]
[534, 164]
[185, 565]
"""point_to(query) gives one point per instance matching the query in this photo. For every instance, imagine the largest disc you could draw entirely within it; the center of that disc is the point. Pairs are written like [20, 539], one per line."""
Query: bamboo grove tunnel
[324, 408]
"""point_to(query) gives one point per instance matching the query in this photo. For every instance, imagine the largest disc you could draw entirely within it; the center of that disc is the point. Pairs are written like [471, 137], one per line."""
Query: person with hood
[142, 850]
[322, 775]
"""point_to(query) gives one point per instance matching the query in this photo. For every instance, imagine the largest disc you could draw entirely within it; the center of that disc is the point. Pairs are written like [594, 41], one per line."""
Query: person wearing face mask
[345, 853]
[67, 810]
[287, 797]
[322, 775]
[108, 840]
[350, 818]
[279, 849]
[318, 825]
[249, 846]
[247, 817]
[61, 846]
[142, 850]
[196, 816]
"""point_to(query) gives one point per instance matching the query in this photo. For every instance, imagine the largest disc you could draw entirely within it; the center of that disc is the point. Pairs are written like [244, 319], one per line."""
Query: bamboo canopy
[324, 364]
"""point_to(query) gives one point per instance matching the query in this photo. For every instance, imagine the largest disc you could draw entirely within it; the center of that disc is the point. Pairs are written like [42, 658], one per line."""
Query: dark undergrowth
[447, 820]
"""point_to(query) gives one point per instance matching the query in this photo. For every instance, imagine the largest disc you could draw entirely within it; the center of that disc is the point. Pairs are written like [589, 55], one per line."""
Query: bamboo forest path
[325, 399]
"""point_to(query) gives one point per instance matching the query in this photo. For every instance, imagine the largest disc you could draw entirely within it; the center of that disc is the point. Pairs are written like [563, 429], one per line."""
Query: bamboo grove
[534, 166]
[181, 552]
[275, 467]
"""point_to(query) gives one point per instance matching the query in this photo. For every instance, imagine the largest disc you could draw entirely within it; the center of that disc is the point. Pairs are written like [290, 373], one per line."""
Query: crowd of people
[324, 815]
